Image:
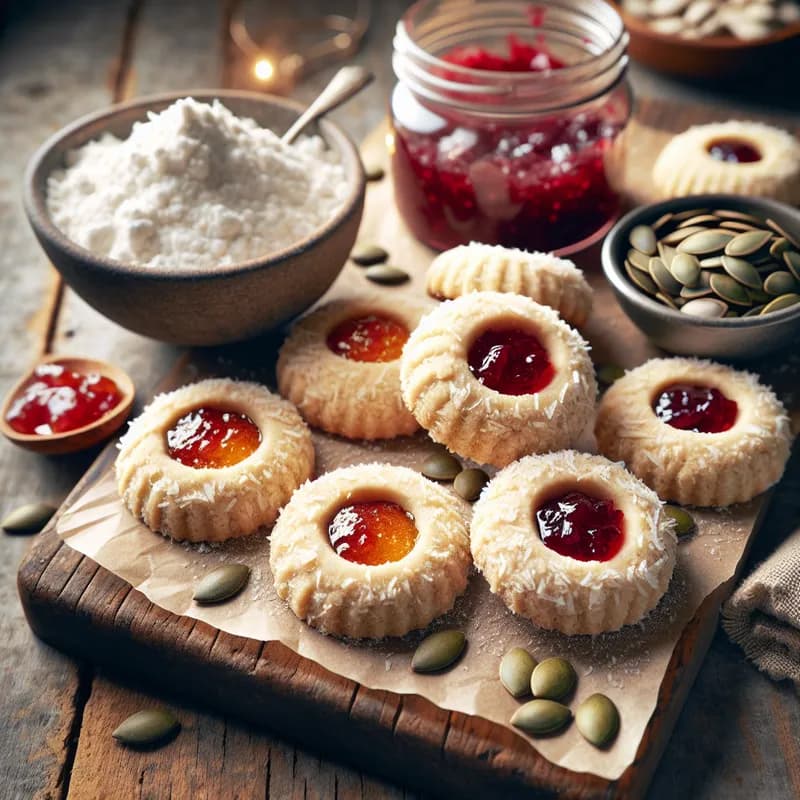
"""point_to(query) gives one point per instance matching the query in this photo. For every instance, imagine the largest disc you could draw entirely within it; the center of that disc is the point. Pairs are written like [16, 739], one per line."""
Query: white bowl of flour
[187, 220]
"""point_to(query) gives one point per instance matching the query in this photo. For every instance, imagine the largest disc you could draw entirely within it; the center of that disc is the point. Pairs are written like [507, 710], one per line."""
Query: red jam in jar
[212, 438]
[57, 400]
[701, 409]
[502, 140]
[370, 338]
[581, 526]
[372, 533]
[734, 151]
[510, 362]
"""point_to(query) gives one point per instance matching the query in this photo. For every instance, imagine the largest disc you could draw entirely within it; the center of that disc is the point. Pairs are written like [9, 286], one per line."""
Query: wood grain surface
[737, 735]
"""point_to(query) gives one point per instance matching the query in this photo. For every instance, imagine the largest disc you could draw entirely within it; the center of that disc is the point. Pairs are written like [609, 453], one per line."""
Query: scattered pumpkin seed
[792, 261]
[729, 290]
[779, 303]
[609, 373]
[386, 275]
[643, 239]
[686, 269]
[597, 719]
[684, 522]
[747, 243]
[780, 283]
[516, 668]
[540, 717]
[441, 466]
[222, 583]
[741, 271]
[147, 728]
[663, 277]
[553, 679]
[30, 518]
[707, 307]
[469, 483]
[373, 172]
[705, 242]
[368, 254]
[438, 651]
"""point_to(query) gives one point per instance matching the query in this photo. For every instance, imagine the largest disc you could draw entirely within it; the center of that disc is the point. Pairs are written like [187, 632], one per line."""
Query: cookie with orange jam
[370, 551]
[340, 366]
[213, 460]
[697, 432]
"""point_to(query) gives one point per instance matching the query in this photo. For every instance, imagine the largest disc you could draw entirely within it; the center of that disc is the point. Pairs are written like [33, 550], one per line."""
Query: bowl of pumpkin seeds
[709, 275]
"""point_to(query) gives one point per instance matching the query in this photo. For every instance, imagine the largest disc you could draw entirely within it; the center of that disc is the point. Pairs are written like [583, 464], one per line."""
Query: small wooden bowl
[80, 438]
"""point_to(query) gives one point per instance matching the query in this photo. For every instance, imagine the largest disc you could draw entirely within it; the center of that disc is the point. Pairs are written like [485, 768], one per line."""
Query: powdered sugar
[194, 186]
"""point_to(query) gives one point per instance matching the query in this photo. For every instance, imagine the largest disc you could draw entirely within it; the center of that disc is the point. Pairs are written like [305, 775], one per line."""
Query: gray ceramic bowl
[199, 306]
[738, 338]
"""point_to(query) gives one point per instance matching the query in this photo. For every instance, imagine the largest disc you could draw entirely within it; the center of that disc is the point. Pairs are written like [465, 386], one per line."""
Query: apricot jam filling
[581, 526]
[371, 338]
[734, 151]
[510, 361]
[372, 533]
[701, 409]
[209, 437]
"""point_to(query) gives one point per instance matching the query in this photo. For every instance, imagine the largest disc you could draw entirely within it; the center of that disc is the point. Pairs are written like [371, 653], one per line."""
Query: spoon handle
[344, 84]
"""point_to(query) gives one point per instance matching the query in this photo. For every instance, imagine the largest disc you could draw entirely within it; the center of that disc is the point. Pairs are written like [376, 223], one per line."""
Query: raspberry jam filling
[581, 526]
[695, 408]
[734, 151]
[510, 362]
[212, 437]
[372, 533]
[371, 338]
[522, 57]
[57, 400]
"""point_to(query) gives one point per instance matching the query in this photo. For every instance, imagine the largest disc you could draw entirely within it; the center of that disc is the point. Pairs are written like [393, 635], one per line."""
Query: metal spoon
[344, 84]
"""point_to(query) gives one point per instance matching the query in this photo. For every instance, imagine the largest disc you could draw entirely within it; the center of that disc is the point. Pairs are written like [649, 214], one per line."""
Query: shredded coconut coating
[685, 166]
[355, 399]
[551, 281]
[477, 422]
[701, 469]
[558, 592]
[211, 505]
[347, 599]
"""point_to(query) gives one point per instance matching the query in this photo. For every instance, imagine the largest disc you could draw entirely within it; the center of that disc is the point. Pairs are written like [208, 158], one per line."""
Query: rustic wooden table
[737, 736]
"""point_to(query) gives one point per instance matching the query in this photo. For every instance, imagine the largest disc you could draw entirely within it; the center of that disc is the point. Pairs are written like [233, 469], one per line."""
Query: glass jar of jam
[502, 119]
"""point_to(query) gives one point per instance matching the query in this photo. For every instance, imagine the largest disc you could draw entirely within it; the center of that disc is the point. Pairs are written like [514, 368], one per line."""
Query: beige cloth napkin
[763, 614]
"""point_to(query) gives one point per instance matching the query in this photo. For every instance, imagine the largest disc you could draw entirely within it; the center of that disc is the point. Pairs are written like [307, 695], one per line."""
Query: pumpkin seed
[686, 269]
[680, 216]
[30, 518]
[540, 717]
[516, 668]
[643, 239]
[441, 467]
[369, 254]
[642, 280]
[222, 583]
[438, 651]
[779, 246]
[679, 234]
[469, 483]
[597, 719]
[662, 221]
[639, 260]
[729, 290]
[705, 242]
[609, 373]
[692, 293]
[792, 261]
[684, 522]
[741, 271]
[758, 296]
[738, 226]
[699, 219]
[553, 679]
[386, 275]
[780, 283]
[666, 300]
[707, 307]
[663, 277]
[146, 728]
[795, 240]
[373, 172]
[666, 253]
[747, 243]
[739, 216]
[711, 263]
[779, 303]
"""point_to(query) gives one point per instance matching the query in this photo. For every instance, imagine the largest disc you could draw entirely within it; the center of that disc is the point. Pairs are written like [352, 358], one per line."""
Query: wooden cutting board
[85, 610]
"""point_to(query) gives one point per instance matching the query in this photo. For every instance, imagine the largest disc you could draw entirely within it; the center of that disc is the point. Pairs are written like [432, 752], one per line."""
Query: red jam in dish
[57, 400]
[581, 526]
[371, 338]
[734, 151]
[212, 437]
[372, 533]
[695, 408]
[510, 362]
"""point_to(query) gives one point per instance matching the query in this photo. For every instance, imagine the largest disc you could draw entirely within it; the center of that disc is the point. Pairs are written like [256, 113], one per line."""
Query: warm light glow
[390, 143]
[263, 69]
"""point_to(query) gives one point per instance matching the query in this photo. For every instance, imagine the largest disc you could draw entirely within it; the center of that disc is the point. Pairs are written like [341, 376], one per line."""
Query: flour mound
[194, 186]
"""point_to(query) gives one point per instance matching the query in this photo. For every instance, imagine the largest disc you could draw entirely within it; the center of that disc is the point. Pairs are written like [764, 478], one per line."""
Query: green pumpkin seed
[597, 719]
[684, 522]
[516, 668]
[781, 231]
[692, 293]
[741, 271]
[30, 518]
[779, 303]
[639, 260]
[663, 277]
[680, 234]
[540, 717]
[643, 239]
[706, 307]
[373, 171]
[686, 269]
[729, 290]
[758, 296]
[779, 246]
[438, 651]
[642, 280]
[369, 254]
[147, 728]
[469, 483]
[441, 467]
[780, 283]
[222, 583]
[747, 243]
[386, 275]
[609, 373]
[792, 261]
[553, 679]
[699, 219]
[705, 242]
